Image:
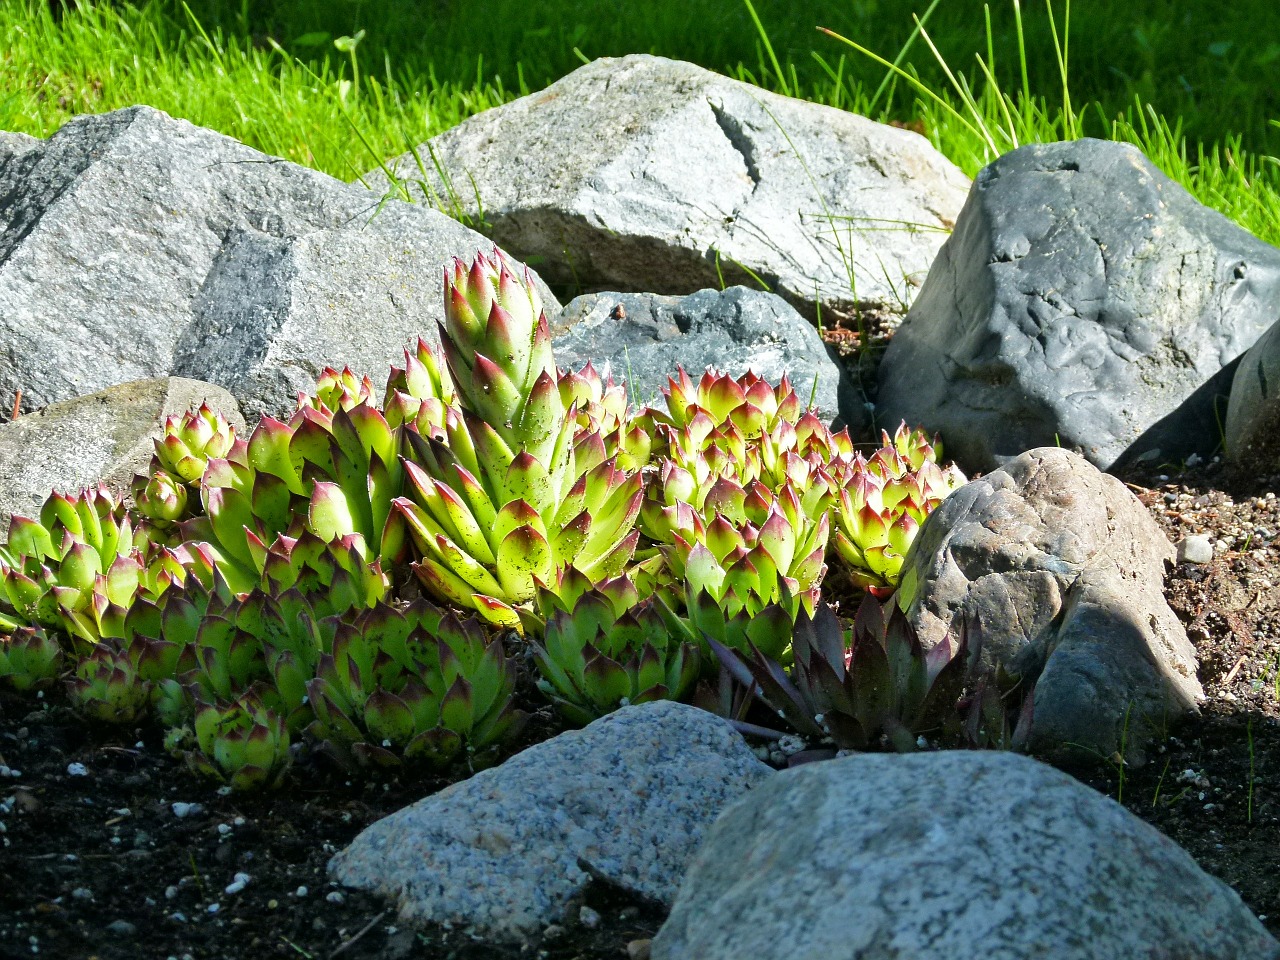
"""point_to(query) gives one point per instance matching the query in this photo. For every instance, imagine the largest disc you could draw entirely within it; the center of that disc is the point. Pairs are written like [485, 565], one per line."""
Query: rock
[641, 173]
[274, 312]
[122, 928]
[1084, 298]
[1252, 433]
[102, 438]
[642, 337]
[1059, 571]
[126, 237]
[1195, 549]
[505, 853]
[950, 854]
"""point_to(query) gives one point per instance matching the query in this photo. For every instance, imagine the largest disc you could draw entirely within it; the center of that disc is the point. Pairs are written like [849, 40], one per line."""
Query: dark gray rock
[1059, 572]
[1252, 434]
[642, 173]
[643, 337]
[942, 855]
[507, 852]
[114, 241]
[102, 438]
[1083, 299]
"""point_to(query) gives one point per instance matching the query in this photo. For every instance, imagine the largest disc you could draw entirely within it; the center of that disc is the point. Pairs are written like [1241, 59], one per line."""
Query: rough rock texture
[641, 173]
[1059, 571]
[274, 311]
[123, 238]
[104, 437]
[1252, 431]
[1083, 297]
[626, 799]
[943, 855]
[642, 337]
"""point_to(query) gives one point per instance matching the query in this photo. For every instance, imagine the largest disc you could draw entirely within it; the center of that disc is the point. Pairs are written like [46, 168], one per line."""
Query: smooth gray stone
[1252, 434]
[102, 438]
[642, 173]
[510, 851]
[937, 856]
[1058, 570]
[643, 337]
[1083, 299]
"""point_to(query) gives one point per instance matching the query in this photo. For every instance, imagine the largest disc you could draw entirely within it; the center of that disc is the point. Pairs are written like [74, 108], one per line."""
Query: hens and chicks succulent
[369, 575]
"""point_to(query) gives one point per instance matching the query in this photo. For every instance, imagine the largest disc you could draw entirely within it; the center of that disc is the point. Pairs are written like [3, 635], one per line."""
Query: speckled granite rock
[943, 855]
[626, 799]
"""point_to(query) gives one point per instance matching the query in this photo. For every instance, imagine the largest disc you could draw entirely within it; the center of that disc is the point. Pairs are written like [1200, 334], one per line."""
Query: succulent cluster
[356, 578]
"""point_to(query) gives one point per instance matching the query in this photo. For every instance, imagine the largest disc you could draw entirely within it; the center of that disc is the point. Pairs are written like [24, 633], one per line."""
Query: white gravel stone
[1195, 549]
[77, 770]
[507, 852]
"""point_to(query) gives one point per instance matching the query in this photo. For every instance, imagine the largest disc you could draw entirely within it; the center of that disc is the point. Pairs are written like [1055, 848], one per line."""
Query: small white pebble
[170, 892]
[213, 907]
[224, 828]
[588, 918]
[1195, 549]
[333, 896]
[223, 791]
[82, 893]
[77, 770]
[178, 917]
[301, 892]
[123, 812]
[231, 889]
[182, 810]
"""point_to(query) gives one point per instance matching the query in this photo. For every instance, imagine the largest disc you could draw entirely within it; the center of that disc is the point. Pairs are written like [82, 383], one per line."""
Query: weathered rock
[104, 437]
[626, 799]
[122, 238]
[642, 337]
[942, 855]
[1083, 297]
[641, 173]
[274, 311]
[1059, 570]
[1252, 433]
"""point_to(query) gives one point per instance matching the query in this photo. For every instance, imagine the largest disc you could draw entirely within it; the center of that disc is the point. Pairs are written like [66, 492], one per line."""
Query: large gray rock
[1252, 433]
[1058, 570]
[1083, 297]
[643, 337]
[641, 173]
[506, 853]
[102, 438]
[125, 237]
[943, 855]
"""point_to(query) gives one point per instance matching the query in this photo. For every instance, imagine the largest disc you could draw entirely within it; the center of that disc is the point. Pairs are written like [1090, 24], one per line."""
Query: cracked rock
[942, 855]
[641, 173]
[1085, 300]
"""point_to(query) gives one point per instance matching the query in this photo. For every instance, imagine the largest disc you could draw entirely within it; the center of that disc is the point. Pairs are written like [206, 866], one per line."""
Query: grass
[340, 86]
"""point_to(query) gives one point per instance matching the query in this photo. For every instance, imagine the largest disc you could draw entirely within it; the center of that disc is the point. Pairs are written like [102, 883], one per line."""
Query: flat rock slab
[134, 245]
[102, 438]
[1252, 433]
[642, 173]
[643, 337]
[944, 855]
[505, 853]
[1083, 301]
[1059, 571]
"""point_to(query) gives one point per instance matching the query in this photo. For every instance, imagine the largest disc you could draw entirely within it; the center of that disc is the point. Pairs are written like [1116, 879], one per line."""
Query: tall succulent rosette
[515, 492]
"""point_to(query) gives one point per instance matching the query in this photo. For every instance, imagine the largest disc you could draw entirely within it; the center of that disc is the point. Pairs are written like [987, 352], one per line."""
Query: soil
[96, 861]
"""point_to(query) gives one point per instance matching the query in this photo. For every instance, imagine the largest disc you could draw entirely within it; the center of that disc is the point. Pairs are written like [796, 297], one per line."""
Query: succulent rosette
[853, 690]
[417, 684]
[604, 647]
[79, 566]
[242, 743]
[883, 501]
[515, 492]
[30, 659]
[337, 390]
[190, 441]
[600, 406]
